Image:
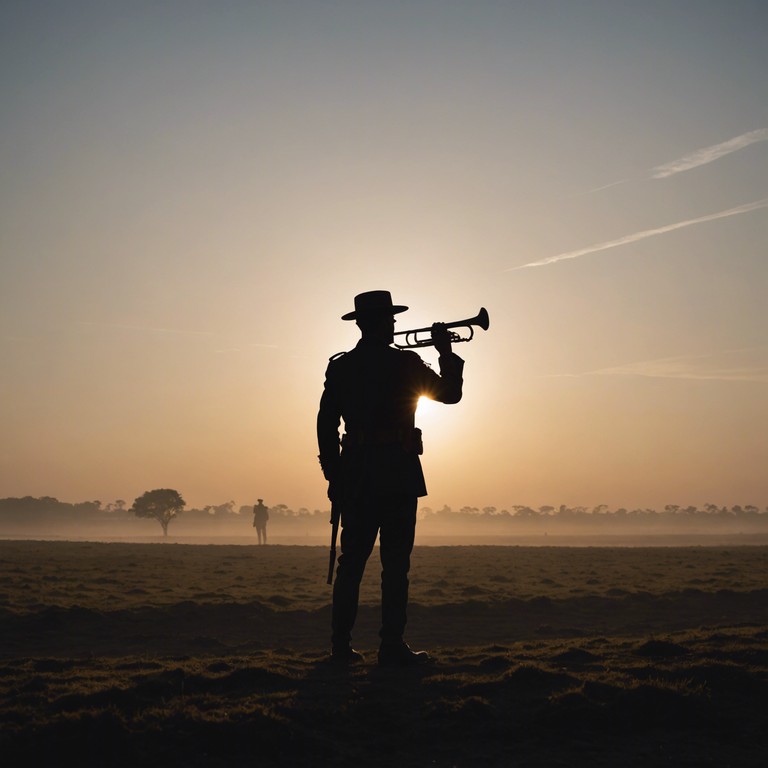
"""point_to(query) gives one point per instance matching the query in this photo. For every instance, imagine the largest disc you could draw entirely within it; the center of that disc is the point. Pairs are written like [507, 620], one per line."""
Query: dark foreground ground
[123, 655]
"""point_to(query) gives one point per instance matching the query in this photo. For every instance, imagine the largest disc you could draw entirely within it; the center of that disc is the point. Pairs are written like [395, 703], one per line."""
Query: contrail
[247, 347]
[727, 365]
[697, 158]
[708, 154]
[633, 238]
[606, 186]
[147, 328]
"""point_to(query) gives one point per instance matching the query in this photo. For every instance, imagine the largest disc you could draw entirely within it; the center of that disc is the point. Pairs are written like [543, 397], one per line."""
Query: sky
[192, 193]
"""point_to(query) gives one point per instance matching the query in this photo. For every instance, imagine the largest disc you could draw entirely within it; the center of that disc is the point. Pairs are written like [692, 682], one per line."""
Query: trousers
[393, 519]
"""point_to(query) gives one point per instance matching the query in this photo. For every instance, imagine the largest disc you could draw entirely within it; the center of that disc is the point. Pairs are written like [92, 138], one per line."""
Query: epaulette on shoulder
[336, 356]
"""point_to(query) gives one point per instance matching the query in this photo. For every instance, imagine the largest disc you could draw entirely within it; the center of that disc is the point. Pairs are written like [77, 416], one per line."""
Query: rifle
[335, 514]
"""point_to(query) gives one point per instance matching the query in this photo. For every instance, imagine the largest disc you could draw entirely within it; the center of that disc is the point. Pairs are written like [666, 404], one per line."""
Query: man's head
[374, 313]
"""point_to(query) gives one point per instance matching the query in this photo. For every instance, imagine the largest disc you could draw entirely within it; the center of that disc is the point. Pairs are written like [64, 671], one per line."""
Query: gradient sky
[193, 192]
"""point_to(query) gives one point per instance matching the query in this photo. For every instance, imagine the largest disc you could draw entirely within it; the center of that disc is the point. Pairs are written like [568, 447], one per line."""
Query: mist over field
[49, 518]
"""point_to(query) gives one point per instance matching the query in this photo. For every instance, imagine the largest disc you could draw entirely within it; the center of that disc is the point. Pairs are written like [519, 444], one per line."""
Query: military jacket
[374, 389]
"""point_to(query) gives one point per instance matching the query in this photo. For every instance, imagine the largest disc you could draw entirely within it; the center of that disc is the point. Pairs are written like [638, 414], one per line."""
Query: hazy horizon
[226, 524]
[193, 194]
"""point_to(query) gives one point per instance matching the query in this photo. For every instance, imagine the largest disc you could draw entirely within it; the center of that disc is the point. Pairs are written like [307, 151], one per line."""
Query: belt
[379, 436]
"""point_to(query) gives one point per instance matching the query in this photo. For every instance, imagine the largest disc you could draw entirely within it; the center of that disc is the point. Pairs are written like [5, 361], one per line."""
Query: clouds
[680, 165]
[642, 235]
[181, 333]
[147, 329]
[245, 348]
[747, 364]
[708, 154]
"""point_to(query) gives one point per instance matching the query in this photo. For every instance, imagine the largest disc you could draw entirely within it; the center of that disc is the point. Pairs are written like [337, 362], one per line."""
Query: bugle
[411, 338]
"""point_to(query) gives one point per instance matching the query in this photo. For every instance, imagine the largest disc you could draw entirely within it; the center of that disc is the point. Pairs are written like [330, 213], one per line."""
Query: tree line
[166, 505]
[601, 512]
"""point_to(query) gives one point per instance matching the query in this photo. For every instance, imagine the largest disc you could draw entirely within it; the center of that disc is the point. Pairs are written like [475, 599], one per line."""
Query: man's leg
[358, 535]
[397, 534]
[398, 528]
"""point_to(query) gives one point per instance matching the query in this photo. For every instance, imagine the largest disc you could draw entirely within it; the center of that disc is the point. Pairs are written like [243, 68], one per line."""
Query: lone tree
[162, 505]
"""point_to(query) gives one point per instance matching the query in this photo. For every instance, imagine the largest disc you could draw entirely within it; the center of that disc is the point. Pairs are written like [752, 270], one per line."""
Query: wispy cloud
[695, 159]
[745, 364]
[635, 236]
[159, 331]
[245, 348]
[146, 328]
[709, 154]
[606, 186]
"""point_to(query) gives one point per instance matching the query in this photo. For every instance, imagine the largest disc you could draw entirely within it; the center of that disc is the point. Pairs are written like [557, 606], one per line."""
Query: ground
[126, 654]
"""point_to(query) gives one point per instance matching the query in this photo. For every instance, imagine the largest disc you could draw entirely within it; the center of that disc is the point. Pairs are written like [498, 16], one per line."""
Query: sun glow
[426, 411]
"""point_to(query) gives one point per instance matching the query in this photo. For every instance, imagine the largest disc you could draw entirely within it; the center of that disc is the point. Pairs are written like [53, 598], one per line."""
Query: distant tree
[86, 509]
[222, 510]
[162, 504]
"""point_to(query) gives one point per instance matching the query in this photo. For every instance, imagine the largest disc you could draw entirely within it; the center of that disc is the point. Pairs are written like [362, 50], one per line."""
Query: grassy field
[127, 654]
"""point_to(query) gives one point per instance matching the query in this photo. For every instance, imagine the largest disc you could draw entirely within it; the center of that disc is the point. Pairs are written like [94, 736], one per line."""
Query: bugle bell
[411, 338]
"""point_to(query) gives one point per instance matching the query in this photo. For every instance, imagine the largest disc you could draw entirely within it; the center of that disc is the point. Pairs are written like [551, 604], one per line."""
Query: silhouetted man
[260, 517]
[376, 477]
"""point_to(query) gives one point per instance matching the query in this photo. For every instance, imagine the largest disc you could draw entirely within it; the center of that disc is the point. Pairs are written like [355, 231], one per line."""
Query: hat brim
[395, 309]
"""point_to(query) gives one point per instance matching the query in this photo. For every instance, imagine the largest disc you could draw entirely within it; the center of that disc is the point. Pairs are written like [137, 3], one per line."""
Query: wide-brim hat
[373, 302]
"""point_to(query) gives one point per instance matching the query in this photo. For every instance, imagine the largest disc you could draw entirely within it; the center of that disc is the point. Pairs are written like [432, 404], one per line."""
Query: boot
[346, 654]
[398, 654]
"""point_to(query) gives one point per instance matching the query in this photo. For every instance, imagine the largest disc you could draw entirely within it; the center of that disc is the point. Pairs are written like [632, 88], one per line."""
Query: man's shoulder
[408, 358]
[341, 360]
[341, 365]
[406, 354]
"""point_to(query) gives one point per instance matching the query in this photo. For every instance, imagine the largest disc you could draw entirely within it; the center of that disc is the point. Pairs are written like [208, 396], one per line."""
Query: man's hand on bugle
[441, 338]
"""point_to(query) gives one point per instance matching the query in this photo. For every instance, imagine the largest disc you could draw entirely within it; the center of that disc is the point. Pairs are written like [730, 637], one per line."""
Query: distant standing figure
[260, 517]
